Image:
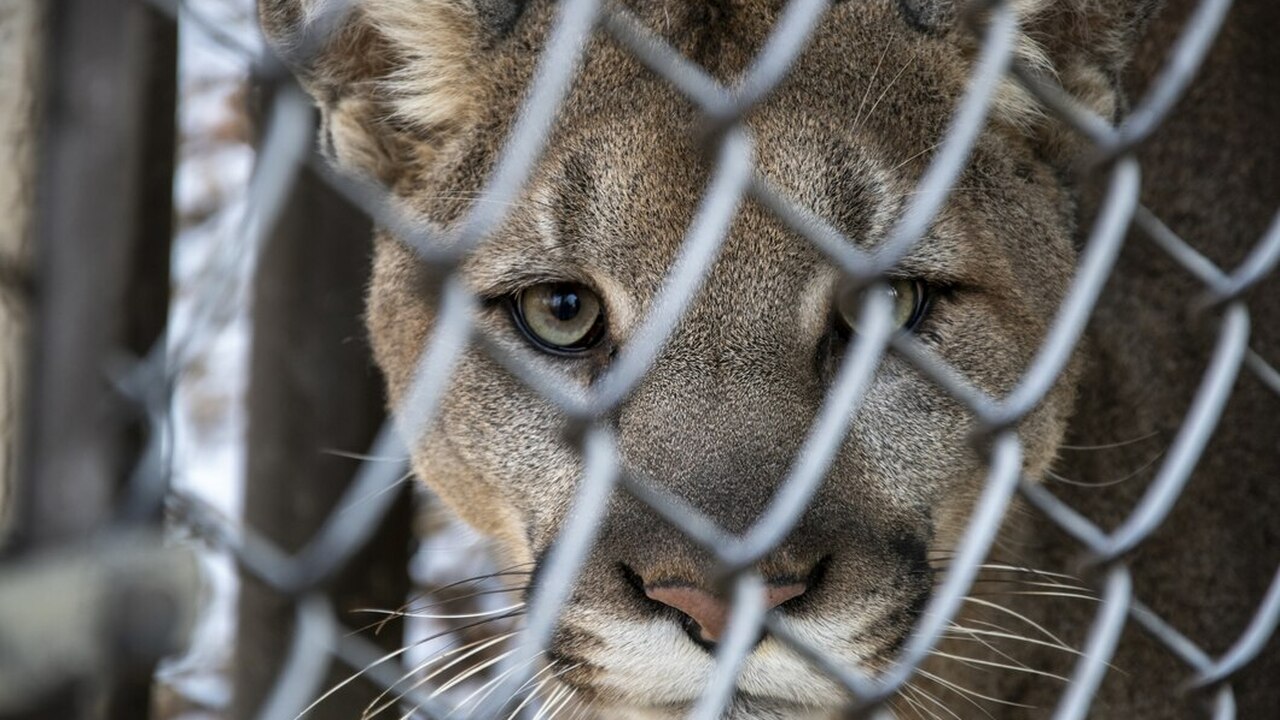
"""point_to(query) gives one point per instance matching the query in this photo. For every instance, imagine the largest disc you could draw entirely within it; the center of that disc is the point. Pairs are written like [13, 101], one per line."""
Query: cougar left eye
[559, 317]
[910, 300]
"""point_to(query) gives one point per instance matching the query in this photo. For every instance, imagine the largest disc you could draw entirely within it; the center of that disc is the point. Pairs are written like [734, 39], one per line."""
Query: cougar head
[421, 94]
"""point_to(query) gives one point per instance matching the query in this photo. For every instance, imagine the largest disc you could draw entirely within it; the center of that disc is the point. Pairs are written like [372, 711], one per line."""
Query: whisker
[1106, 483]
[1041, 593]
[1027, 570]
[374, 709]
[991, 663]
[532, 679]
[1020, 616]
[406, 611]
[897, 712]
[392, 487]
[532, 693]
[875, 75]
[551, 702]
[508, 571]
[428, 616]
[553, 706]
[933, 699]
[410, 607]
[1108, 446]
[1053, 579]
[364, 457]
[968, 694]
[1011, 636]
[910, 61]
[1031, 583]
[505, 572]
[351, 678]
[380, 624]
[473, 671]
[951, 633]
[492, 684]
[931, 148]
[955, 690]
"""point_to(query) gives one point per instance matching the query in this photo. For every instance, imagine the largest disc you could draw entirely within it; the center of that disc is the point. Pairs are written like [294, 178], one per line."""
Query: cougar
[420, 95]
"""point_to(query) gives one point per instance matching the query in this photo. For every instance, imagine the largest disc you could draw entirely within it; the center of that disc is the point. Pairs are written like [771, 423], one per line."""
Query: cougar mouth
[774, 681]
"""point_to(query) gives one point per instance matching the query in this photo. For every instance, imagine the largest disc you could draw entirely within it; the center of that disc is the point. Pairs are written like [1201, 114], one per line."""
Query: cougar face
[420, 95]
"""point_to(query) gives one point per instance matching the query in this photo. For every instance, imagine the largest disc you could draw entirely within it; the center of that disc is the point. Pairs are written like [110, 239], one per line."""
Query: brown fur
[420, 94]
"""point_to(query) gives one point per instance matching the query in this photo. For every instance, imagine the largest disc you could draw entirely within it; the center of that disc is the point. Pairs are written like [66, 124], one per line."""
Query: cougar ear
[396, 80]
[1084, 45]
[1089, 43]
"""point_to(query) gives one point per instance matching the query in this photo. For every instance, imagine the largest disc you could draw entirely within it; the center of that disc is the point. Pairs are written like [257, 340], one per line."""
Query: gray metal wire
[320, 635]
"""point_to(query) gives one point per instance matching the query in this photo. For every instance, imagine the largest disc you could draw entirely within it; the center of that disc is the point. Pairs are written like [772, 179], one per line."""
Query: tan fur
[422, 94]
[437, 42]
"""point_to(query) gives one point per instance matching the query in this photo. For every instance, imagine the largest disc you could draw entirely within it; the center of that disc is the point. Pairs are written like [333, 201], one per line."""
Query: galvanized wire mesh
[320, 634]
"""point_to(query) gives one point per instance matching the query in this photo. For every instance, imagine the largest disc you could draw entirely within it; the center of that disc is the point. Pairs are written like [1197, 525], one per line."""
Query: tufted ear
[1082, 44]
[396, 80]
[1089, 43]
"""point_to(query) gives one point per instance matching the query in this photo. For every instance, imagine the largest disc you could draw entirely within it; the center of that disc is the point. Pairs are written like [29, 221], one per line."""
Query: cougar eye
[559, 317]
[910, 300]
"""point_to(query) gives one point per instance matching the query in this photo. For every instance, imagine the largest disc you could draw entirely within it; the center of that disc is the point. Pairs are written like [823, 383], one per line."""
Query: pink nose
[710, 612]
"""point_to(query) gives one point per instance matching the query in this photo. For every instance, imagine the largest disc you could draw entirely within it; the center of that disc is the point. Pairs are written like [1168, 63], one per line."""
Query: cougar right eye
[561, 318]
[910, 299]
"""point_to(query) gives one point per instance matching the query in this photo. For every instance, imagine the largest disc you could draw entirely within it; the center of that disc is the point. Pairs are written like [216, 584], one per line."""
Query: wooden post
[104, 219]
[100, 234]
[21, 51]
[313, 391]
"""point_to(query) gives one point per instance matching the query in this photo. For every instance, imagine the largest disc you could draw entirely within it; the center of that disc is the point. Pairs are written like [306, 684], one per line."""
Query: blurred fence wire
[302, 575]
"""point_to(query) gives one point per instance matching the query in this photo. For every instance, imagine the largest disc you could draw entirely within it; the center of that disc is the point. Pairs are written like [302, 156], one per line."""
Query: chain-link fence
[302, 576]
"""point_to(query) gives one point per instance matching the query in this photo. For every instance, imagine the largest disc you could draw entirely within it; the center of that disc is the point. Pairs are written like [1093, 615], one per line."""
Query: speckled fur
[420, 94]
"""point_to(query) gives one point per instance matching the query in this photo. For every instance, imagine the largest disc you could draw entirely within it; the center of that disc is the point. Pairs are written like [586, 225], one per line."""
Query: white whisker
[1012, 636]
[1106, 483]
[1020, 616]
[968, 694]
[921, 692]
[374, 709]
[899, 714]
[931, 148]
[910, 61]
[1108, 446]
[351, 678]
[875, 75]
[1043, 593]
[429, 616]
[461, 678]
[363, 456]
[532, 693]
[492, 684]
[551, 702]
[1030, 571]
[991, 663]
[951, 633]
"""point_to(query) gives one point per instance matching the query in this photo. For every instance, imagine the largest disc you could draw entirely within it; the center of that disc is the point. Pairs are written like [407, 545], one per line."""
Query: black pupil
[564, 304]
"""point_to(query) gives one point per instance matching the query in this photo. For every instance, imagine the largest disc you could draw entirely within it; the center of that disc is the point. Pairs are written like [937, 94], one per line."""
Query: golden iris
[560, 317]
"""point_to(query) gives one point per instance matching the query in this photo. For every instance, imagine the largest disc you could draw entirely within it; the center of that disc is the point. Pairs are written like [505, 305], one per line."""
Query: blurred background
[193, 294]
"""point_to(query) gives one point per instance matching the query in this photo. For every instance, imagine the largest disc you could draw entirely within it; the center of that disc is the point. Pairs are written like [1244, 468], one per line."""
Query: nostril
[632, 578]
[808, 584]
[710, 613]
[706, 614]
[776, 595]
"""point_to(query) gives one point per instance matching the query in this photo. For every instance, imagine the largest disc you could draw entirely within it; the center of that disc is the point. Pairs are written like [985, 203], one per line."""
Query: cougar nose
[710, 613]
